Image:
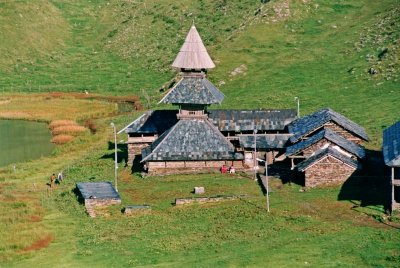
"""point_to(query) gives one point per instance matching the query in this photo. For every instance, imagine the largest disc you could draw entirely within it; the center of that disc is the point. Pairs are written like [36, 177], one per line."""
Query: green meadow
[340, 54]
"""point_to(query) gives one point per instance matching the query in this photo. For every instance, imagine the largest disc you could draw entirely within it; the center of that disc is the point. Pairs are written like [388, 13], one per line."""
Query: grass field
[266, 54]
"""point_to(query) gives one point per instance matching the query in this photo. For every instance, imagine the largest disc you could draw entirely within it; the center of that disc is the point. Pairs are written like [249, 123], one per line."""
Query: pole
[115, 157]
[298, 106]
[266, 178]
[255, 154]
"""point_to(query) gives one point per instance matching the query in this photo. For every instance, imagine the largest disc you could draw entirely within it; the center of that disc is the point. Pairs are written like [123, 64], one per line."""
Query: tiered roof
[194, 89]
[193, 54]
[159, 121]
[191, 140]
[152, 122]
[310, 123]
[248, 120]
[391, 145]
[268, 141]
[330, 135]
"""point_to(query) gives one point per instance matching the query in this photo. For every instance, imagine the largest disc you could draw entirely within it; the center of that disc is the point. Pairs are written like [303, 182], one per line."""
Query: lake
[21, 141]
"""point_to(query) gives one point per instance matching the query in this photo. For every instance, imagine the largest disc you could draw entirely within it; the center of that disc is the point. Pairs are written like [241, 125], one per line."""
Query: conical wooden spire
[193, 54]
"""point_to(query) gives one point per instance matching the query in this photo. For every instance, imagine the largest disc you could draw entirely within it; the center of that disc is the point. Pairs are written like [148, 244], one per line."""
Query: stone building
[97, 194]
[327, 166]
[307, 126]
[327, 145]
[193, 138]
[391, 155]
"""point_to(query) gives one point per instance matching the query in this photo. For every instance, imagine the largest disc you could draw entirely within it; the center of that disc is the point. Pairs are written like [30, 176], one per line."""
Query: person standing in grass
[52, 180]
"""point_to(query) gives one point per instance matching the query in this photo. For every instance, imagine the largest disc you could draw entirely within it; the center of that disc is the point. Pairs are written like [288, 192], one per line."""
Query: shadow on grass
[369, 186]
[122, 153]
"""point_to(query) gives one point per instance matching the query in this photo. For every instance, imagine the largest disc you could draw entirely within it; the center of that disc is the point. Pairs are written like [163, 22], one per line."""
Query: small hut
[97, 194]
[391, 155]
[327, 167]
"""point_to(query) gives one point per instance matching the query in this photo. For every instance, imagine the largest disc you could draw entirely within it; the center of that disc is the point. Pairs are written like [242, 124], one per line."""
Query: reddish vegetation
[91, 125]
[39, 244]
[134, 100]
[58, 123]
[72, 130]
[36, 218]
[62, 139]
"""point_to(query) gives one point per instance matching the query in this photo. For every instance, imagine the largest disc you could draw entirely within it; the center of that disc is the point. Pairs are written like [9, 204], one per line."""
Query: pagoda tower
[194, 92]
[193, 139]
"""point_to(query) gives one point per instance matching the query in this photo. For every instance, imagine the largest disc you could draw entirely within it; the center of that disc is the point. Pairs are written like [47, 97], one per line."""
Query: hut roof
[248, 120]
[322, 154]
[152, 122]
[191, 140]
[391, 145]
[193, 53]
[264, 141]
[194, 90]
[307, 124]
[332, 136]
[225, 120]
[97, 190]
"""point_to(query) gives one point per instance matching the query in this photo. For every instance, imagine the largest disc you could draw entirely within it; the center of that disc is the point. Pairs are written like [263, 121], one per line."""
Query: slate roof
[98, 190]
[194, 90]
[248, 120]
[191, 140]
[391, 145]
[319, 155]
[193, 54]
[269, 141]
[225, 120]
[307, 124]
[330, 135]
[152, 122]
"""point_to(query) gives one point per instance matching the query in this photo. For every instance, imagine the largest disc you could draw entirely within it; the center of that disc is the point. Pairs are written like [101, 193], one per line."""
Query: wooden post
[392, 183]
[266, 179]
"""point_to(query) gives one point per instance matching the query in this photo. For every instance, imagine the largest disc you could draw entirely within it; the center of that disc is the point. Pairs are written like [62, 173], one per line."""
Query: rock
[199, 190]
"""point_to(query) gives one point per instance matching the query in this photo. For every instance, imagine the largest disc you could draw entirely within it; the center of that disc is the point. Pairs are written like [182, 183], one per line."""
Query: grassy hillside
[341, 54]
[266, 54]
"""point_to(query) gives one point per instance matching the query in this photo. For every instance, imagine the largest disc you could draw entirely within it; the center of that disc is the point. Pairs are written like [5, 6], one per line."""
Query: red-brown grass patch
[62, 139]
[36, 218]
[39, 244]
[58, 123]
[70, 130]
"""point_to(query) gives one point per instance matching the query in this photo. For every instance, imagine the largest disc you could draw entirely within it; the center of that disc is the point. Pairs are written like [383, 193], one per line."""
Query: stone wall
[343, 132]
[135, 149]
[328, 171]
[187, 167]
[315, 147]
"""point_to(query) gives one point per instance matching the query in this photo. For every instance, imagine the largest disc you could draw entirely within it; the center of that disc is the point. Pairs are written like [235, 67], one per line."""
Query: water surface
[21, 141]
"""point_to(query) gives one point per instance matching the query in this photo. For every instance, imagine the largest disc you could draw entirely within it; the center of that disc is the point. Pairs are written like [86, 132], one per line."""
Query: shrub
[91, 126]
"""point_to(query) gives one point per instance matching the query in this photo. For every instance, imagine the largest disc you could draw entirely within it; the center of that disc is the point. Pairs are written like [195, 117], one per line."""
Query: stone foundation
[189, 167]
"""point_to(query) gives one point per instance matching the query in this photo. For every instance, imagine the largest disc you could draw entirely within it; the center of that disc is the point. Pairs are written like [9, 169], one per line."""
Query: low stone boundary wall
[183, 201]
[136, 208]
